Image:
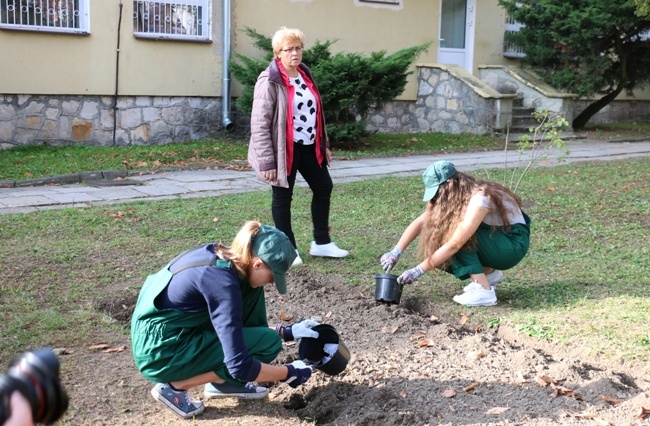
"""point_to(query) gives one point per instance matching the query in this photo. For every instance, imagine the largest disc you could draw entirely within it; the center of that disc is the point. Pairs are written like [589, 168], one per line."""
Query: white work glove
[299, 330]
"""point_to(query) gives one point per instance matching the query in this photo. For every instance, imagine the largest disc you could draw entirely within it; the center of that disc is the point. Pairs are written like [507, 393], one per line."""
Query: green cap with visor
[276, 251]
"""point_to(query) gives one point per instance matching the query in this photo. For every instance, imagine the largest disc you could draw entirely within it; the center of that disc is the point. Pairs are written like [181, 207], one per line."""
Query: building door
[456, 41]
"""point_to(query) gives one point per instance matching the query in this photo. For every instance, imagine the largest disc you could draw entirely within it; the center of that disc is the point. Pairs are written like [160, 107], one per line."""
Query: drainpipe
[225, 92]
[117, 74]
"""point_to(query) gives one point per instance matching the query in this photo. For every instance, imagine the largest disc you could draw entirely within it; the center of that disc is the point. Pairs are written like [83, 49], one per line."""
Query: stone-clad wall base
[617, 111]
[91, 120]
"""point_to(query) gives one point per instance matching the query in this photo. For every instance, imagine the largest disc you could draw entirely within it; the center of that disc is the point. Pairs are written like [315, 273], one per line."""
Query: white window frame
[45, 16]
[146, 27]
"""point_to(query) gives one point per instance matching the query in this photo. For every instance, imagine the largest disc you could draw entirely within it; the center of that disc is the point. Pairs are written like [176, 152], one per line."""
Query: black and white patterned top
[304, 112]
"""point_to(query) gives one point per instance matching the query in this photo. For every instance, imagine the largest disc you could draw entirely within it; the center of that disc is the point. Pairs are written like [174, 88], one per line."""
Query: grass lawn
[585, 281]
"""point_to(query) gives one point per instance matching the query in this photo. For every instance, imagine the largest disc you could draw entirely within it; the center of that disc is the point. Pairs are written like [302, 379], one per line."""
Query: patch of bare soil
[406, 368]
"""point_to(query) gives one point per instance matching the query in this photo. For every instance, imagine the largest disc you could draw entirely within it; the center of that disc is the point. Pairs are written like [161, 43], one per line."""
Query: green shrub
[350, 84]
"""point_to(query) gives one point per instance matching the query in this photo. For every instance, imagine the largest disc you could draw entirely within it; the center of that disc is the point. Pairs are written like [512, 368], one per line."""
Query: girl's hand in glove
[388, 260]
[410, 275]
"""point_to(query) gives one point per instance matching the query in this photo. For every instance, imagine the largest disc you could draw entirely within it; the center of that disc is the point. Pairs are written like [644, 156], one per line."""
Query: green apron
[170, 345]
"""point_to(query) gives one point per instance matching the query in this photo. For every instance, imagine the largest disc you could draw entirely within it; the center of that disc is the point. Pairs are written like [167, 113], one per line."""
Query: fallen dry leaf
[99, 346]
[403, 393]
[561, 390]
[329, 314]
[418, 336]
[550, 188]
[433, 318]
[215, 220]
[497, 410]
[449, 393]
[425, 343]
[470, 387]
[285, 317]
[544, 380]
[611, 400]
[642, 413]
[463, 319]
[114, 350]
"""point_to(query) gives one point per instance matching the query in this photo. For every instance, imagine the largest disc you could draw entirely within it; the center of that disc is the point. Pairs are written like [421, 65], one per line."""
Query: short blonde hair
[286, 35]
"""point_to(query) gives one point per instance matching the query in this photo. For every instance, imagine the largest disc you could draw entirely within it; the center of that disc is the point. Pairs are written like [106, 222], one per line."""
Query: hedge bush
[350, 84]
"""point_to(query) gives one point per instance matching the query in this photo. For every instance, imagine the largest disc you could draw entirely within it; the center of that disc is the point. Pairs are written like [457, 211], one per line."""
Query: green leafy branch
[545, 139]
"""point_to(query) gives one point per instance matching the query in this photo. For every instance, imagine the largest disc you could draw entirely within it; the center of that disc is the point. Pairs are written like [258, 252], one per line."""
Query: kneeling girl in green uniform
[471, 228]
[201, 320]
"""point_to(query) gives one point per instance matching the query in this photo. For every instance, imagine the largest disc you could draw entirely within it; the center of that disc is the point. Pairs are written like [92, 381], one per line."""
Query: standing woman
[471, 228]
[288, 136]
[201, 320]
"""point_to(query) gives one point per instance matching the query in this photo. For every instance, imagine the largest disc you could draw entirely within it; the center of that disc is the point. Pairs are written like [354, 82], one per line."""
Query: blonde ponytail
[240, 251]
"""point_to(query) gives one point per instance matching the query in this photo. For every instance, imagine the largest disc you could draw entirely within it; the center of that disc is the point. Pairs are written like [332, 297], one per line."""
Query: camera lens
[36, 376]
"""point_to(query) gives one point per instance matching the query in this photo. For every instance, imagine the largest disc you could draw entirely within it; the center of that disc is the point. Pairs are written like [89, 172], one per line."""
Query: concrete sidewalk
[211, 183]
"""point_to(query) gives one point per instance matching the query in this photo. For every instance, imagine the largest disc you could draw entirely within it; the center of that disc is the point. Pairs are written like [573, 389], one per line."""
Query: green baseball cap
[434, 176]
[275, 249]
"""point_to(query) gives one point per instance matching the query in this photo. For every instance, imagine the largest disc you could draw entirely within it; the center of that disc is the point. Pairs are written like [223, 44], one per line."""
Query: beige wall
[488, 39]
[360, 28]
[66, 64]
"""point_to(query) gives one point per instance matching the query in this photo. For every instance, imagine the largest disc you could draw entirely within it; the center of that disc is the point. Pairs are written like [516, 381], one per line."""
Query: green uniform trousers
[494, 249]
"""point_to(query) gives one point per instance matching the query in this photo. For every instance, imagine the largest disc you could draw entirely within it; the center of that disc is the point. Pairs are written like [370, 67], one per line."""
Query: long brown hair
[446, 210]
[240, 252]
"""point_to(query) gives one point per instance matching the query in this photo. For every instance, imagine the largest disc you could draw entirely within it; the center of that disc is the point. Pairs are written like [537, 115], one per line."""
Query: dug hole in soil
[406, 368]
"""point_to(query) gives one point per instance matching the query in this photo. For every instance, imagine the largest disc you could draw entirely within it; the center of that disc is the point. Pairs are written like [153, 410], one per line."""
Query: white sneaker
[494, 278]
[327, 250]
[297, 261]
[477, 296]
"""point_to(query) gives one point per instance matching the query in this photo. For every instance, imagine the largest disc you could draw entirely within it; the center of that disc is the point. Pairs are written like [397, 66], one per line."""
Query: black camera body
[36, 376]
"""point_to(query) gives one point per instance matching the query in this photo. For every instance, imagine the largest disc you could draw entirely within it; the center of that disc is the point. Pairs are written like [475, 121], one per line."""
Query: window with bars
[173, 20]
[510, 49]
[60, 16]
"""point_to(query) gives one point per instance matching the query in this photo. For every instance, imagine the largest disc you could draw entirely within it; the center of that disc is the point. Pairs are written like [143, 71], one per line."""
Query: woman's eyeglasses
[291, 49]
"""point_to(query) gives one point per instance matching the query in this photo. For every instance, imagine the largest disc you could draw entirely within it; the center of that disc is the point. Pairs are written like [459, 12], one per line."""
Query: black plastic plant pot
[327, 353]
[387, 288]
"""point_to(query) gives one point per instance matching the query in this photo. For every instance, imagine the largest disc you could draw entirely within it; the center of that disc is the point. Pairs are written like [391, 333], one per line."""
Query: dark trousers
[319, 180]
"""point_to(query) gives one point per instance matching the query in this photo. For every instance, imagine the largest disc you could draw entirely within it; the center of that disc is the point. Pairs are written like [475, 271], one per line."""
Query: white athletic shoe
[327, 250]
[476, 295]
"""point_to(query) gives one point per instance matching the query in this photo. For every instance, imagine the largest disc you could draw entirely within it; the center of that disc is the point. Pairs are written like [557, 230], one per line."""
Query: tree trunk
[583, 118]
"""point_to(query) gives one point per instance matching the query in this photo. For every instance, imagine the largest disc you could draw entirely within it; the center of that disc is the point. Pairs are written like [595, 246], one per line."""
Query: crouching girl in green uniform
[201, 320]
[470, 228]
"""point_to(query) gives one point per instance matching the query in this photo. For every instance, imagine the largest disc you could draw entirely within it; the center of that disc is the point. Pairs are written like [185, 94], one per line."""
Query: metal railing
[174, 19]
[60, 16]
